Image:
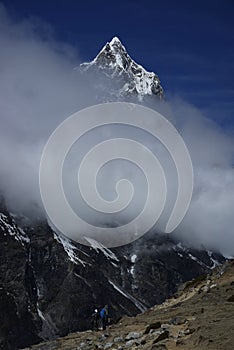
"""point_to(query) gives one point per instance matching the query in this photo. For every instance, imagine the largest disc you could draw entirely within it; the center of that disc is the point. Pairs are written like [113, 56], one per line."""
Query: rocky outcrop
[50, 285]
[198, 318]
[119, 75]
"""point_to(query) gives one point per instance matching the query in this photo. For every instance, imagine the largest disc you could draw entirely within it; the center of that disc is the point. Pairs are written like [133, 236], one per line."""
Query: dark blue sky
[189, 44]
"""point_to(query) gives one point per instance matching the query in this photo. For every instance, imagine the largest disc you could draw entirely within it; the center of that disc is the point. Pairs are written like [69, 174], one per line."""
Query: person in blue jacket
[104, 316]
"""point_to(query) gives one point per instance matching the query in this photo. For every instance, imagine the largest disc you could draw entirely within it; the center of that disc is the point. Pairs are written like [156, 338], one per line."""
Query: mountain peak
[112, 53]
[114, 61]
[115, 40]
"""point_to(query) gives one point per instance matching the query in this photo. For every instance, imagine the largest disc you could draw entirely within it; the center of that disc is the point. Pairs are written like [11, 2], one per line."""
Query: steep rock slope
[50, 285]
[199, 317]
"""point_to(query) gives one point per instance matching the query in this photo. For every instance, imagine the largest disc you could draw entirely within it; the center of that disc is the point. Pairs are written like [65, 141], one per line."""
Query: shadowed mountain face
[50, 285]
[199, 317]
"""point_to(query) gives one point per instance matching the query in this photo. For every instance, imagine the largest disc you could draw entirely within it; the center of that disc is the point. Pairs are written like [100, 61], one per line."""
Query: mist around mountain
[49, 284]
[42, 84]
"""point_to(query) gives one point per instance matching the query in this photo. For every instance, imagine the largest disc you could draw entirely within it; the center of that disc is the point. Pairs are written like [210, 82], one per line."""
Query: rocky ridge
[50, 286]
[200, 316]
[121, 74]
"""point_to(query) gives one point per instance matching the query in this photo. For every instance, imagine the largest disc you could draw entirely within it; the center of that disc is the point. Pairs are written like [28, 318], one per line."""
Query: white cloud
[39, 88]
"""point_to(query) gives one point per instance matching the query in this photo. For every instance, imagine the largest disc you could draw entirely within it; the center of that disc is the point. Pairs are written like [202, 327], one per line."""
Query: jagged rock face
[199, 317]
[50, 285]
[18, 324]
[121, 75]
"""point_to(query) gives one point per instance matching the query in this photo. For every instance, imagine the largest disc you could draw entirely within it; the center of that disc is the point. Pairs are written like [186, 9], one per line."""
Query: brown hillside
[200, 316]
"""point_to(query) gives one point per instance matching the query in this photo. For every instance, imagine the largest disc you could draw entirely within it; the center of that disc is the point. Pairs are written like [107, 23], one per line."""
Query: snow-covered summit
[114, 61]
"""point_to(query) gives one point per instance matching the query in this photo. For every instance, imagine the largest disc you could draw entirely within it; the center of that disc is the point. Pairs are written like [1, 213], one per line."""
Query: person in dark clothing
[104, 317]
[95, 320]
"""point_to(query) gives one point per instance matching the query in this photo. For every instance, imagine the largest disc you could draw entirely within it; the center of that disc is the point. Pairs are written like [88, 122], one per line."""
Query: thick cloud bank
[210, 219]
[39, 88]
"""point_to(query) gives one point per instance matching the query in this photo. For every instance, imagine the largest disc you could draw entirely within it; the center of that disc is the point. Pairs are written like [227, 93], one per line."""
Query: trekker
[104, 316]
[95, 320]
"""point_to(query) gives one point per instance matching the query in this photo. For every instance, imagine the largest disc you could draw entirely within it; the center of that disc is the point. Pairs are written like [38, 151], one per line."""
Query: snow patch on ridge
[40, 314]
[99, 246]
[136, 302]
[215, 262]
[133, 260]
[197, 260]
[70, 249]
[10, 227]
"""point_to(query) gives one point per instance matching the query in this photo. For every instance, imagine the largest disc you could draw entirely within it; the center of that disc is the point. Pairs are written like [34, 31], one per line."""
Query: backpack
[103, 313]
